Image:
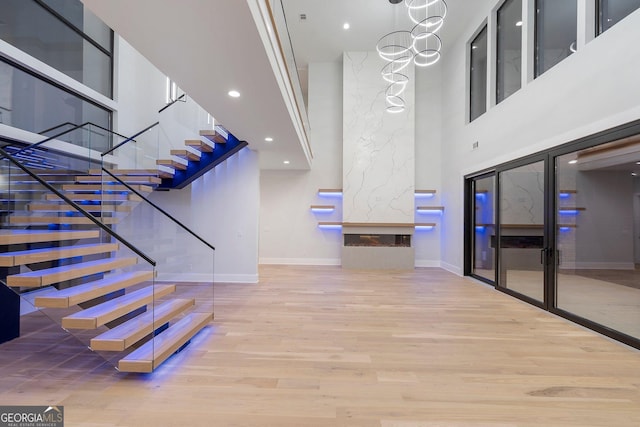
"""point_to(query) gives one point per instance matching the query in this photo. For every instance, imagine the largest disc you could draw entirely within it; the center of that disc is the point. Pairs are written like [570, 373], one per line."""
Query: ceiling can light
[573, 162]
[234, 94]
[268, 139]
[519, 24]
[346, 26]
[286, 162]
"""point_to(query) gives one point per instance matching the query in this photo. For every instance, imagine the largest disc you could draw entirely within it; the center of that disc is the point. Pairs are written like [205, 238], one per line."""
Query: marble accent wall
[378, 147]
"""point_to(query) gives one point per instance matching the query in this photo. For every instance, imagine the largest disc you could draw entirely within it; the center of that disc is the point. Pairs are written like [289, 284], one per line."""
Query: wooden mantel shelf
[376, 224]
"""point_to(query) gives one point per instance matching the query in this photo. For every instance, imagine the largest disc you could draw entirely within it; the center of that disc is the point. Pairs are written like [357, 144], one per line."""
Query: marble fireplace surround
[378, 257]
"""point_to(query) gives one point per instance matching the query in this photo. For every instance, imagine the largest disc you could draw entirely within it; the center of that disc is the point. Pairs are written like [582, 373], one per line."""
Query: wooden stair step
[125, 335]
[75, 220]
[106, 312]
[107, 187]
[68, 297]
[171, 163]
[97, 197]
[48, 276]
[16, 237]
[123, 172]
[187, 154]
[56, 207]
[150, 355]
[15, 258]
[213, 136]
[199, 145]
[129, 179]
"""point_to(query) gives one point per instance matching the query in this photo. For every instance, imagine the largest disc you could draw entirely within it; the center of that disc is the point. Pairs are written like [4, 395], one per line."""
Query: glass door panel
[483, 260]
[598, 235]
[521, 230]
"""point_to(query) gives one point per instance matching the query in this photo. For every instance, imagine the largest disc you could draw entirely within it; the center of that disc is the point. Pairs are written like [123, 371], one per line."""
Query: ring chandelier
[421, 45]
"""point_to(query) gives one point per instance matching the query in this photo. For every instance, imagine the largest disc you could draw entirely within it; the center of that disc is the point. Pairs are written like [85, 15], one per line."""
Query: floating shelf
[429, 209]
[566, 210]
[323, 208]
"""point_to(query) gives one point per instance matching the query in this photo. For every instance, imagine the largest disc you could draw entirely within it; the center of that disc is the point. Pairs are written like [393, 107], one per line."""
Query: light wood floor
[320, 346]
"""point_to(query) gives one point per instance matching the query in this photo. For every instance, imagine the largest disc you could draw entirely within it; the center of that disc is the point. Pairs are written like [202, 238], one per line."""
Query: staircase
[59, 236]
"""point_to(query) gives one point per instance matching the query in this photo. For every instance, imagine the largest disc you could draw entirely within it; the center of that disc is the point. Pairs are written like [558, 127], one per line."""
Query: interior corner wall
[289, 232]
[222, 206]
[590, 91]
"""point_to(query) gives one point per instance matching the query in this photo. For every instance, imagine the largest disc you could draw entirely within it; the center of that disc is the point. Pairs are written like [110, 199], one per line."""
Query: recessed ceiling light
[286, 162]
[637, 163]
[346, 26]
[234, 93]
[634, 174]
[573, 162]
[519, 24]
[268, 139]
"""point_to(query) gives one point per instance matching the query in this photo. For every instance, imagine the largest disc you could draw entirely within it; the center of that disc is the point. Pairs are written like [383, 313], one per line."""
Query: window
[63, 35]
[509, 49]
[556, 32]
[612, 11]
[33, 104]
[478, 75]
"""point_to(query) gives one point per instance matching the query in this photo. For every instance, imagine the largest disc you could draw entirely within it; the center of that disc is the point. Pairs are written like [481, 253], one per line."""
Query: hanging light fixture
[421, 45]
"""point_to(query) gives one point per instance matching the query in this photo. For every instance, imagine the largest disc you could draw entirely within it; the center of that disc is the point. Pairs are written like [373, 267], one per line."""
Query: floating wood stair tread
[15, 237]
[77, 294]
[47, 276]
[424, 192]
[125, 335]
[150, 355]
[107, 188]
[187, 154]
[172, 163]
[75, 220]
[12, 259]
[123, 172]
[213, 135]
[56, 207]
[106, 312]
[129, 179]
[97, 197]
[199, 145]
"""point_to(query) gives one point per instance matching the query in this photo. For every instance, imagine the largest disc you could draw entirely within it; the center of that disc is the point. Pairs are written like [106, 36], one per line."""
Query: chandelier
[421, 45]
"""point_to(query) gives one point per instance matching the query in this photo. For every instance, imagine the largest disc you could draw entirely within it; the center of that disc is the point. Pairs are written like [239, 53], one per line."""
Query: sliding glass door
[563, 231]
[521, 224]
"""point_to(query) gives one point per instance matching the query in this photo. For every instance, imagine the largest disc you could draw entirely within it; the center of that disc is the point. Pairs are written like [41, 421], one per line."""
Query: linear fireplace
[378, 246]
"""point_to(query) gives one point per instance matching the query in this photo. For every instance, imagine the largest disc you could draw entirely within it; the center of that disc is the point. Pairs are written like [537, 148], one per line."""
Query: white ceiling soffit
[209, 47]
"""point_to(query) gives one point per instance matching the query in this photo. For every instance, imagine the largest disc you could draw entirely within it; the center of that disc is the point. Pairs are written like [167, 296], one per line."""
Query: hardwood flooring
[322, 346]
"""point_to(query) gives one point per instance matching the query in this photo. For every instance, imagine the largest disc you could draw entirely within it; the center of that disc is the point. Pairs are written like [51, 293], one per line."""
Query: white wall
[222, 207]
[289, 232]
[592, 90]
[288, 229]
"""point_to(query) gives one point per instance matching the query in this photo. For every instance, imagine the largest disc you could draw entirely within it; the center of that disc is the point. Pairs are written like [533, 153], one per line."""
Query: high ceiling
[210, 47]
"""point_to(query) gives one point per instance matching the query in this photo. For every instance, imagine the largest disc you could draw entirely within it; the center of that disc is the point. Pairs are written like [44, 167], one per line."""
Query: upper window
[509, 49]
[556, 32]
[612, 11]
[63, 35]
[478, 75]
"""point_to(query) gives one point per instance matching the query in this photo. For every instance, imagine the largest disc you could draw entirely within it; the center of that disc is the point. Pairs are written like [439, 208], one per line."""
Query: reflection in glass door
[596, 239]
[483, 260]
[521, 230]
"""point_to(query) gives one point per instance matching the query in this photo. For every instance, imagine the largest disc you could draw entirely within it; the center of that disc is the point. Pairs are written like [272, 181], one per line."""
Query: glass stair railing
[98, 258]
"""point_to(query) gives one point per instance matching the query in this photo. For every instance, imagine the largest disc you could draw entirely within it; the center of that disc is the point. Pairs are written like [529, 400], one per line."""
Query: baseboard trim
[194, 277]
[451, 268]
[425, 263]
[300, 261]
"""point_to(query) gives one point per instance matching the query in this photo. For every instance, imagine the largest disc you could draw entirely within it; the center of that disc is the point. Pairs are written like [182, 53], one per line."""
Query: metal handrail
[133, 190]
[75, 127]
[78, 208]
[173, 102]
[112, 149]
